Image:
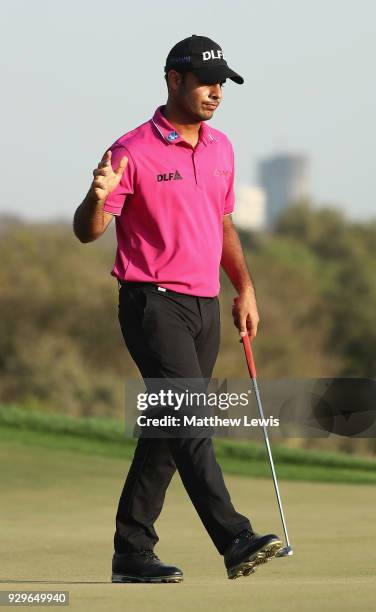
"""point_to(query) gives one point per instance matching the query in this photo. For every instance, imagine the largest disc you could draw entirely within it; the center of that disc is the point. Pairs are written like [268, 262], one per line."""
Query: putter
[287, 550]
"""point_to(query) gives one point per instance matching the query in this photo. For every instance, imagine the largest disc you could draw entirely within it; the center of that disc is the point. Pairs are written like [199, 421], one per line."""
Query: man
[169, 183]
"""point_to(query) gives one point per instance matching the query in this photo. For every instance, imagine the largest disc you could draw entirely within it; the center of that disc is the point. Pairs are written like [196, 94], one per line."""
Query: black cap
[203, 57]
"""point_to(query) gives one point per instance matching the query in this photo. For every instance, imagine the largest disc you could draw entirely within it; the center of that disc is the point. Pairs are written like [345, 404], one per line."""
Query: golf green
[57, 522]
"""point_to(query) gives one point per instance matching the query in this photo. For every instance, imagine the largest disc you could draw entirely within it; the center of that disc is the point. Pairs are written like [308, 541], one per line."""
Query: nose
[216, 91]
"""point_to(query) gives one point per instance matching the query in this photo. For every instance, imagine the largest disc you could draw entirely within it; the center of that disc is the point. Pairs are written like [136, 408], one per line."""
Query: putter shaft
[252, 371]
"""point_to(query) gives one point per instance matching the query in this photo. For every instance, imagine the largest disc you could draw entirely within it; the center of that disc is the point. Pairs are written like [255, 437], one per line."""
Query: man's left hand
[245, 314]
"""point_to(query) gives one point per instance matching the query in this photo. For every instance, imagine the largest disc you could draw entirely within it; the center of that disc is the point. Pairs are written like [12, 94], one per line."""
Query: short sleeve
[230, 195]
[115, 201]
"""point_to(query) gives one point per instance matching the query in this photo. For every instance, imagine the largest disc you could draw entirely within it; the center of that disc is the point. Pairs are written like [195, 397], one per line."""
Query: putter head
[287, 551]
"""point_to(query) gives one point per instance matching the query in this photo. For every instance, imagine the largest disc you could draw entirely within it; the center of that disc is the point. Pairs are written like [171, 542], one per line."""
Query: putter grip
[249, 356]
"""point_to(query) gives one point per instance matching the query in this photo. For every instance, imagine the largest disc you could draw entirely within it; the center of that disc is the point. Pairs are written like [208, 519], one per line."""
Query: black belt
[121, 283]
[141, 284]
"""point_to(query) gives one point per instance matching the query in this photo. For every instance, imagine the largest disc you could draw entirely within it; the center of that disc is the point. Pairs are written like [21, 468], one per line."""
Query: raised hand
[105, 178]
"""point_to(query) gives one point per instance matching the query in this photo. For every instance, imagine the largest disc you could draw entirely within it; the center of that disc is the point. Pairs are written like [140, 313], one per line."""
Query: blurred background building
[285, 179]
[249, 213]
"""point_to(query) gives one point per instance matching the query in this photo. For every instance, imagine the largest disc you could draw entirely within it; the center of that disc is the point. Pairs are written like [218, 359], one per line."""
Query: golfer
[169, 183]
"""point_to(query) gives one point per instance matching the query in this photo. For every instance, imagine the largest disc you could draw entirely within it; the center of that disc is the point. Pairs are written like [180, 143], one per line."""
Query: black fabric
[202, 56]
[171, 335]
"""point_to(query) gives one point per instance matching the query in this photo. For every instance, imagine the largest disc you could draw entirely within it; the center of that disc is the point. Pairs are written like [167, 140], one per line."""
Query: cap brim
[216, 74]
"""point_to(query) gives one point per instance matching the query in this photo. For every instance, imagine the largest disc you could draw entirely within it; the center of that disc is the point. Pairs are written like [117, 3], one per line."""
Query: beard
[195, 113]
[192, 109]
[205, 115]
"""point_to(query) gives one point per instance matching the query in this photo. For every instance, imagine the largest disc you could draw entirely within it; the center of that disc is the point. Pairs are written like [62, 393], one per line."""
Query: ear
[173, 80]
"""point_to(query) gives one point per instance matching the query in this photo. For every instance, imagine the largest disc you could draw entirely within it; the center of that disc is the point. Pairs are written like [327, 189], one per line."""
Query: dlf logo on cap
[212, 54]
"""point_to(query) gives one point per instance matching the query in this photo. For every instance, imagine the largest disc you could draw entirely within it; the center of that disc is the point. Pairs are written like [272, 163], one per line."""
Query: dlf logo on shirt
[212, 54]
[172, 176]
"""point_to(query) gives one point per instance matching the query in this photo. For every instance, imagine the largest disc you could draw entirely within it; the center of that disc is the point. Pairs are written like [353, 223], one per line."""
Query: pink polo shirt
[169, 206]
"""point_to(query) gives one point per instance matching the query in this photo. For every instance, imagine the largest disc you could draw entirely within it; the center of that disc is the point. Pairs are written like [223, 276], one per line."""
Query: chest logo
[219, 172]
[171, 176]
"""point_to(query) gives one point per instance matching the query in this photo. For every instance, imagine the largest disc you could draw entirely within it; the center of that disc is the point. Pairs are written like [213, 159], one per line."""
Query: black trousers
[172, 335]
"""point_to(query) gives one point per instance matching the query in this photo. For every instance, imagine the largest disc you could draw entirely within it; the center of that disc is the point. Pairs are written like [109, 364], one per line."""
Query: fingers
[104, 167]
[100, 172]
[239, 319]
[98, 184]
[251, 328]
[106, 159]
[251, 333]
[245, 320]
[243, 326]
[122, 165]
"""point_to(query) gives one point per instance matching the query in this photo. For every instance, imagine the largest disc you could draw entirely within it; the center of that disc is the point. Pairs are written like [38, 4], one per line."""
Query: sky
[78, 74]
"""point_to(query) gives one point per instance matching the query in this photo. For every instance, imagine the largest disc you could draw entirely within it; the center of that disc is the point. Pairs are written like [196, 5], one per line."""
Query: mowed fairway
[57, 522]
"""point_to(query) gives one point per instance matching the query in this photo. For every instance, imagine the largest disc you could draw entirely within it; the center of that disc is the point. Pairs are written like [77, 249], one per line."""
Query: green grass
[58, 517]
[106, 437]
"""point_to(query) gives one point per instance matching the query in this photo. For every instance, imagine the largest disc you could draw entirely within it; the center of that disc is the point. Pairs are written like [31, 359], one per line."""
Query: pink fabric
[169, 206]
